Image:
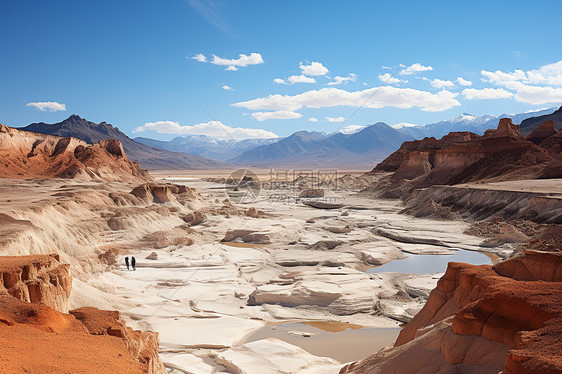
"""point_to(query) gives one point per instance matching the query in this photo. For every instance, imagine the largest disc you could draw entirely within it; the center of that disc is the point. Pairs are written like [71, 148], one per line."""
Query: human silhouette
[133, 262]
[127, 262]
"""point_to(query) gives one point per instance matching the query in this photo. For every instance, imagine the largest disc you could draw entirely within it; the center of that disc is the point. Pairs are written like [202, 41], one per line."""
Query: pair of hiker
[133, 262]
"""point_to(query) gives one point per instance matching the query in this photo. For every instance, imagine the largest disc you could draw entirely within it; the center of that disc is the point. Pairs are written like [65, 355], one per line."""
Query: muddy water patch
[428, 264]
[341, 341]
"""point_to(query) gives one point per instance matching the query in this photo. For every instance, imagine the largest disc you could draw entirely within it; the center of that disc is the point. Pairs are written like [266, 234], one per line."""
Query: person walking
[127, 262]
[133, 262]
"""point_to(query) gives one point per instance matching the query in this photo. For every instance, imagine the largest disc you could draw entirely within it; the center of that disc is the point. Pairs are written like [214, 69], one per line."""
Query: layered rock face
[483, 319]
[163, 192]
[501, 154]
[29, 155]
[37, 336]
[37, 279]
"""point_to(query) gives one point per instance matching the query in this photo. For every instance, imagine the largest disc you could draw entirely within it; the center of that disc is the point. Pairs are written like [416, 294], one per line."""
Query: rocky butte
[30, 155]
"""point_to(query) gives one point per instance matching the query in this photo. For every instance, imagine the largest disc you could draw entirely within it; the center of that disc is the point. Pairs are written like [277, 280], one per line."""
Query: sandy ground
[552, 187]
[288, 293]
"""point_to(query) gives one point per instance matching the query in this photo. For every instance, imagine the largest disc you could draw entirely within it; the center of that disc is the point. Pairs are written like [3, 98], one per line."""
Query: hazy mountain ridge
[206, 146]
[147, 156]
[468, 122]
[313, 149]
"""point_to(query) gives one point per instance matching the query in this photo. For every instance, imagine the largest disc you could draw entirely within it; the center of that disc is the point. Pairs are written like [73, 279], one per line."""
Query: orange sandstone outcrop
[483, 319]
[37, 279]
[37, 336]
[30, 155]
[460, 157]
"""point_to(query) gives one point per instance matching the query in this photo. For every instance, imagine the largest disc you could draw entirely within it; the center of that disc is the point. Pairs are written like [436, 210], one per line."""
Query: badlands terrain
[305, 278]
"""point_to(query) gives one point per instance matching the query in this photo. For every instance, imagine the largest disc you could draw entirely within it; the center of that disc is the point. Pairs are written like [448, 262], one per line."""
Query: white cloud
[386, 78]
[415, 68]
[386, 67]
[438, 83]
[339, 80]
[351, 129]
[199, 57]
[335, 119]
[525, 83]
[300, 79]
[463, 82]
[315, 68]
[279, 114]
[313, 119]
[227, 88]
[550, 74]
[232, 64]
[375, 97]
[51, 106]
[295, 79]
[486, 93]
[538, 95]
[211, 128]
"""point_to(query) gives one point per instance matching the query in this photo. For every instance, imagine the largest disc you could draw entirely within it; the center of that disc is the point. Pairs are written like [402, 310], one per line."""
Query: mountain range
[147, 156]
[206, 146]
[467, 122]
[315, 149]
[310, 149]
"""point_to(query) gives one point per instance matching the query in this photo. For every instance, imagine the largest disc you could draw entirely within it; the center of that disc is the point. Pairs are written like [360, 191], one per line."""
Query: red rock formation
[500, 154]
[37, 279]
[36, 338]
[29, 155]
[543, 132]
[475, 313]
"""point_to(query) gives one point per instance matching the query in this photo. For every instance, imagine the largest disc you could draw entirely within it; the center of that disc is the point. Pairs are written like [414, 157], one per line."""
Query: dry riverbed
[273, 286]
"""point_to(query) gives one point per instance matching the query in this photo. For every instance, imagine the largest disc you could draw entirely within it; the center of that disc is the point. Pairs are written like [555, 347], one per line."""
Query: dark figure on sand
[127, 262]
[133, 262]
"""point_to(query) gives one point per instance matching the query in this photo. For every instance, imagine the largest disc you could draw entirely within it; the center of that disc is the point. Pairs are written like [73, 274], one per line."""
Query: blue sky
[101, 59]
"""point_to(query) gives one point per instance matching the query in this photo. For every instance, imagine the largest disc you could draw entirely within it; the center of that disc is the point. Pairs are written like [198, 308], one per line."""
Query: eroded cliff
[38, 336]
[483, 319]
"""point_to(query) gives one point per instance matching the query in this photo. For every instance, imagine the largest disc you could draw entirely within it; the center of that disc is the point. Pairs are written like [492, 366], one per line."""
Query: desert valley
[448, 251]
[280, 187]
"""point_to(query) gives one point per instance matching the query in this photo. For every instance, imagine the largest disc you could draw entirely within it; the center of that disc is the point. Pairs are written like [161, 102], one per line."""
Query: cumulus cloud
[463, 82]
[438, 83]
[51, 106]
[386, 78]
[300, 79]
[295, 79]
[339, 80]
[315, 68]
[199, 57]
[211, 128]
[335, 119]
[550, 74]
[375, 97]
[415, 68]
[538, 95]
[486, 93]
[526, 83]
[313, 119]
[227, 88]
[386, 67]
[231, 64]
[279, 114]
